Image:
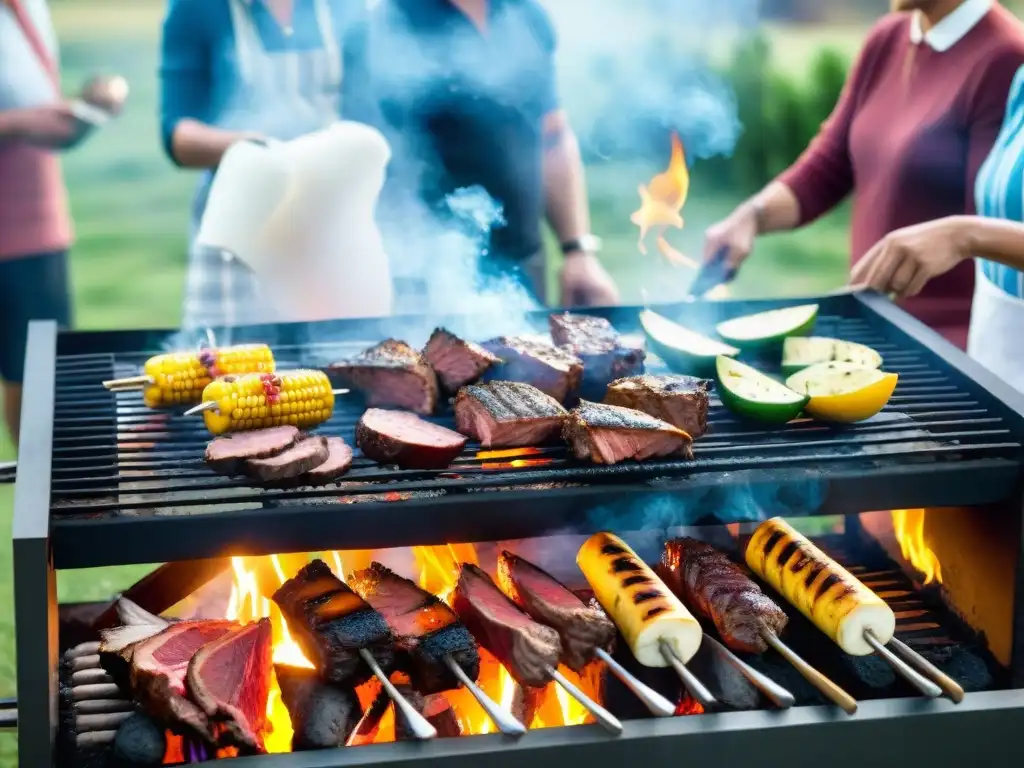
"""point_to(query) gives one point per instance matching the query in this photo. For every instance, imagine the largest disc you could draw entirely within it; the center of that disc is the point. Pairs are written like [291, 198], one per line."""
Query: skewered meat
[331, 623]
[391, 374]
[307, 454]
[594, 341]
[822, 590]
[396, 437]
[682, 401]
[434, 707]
[553, 371]
[456, 362]
[708, 581]
[229, 679]
[323, 715]
[526, 648]
[226, 454]
[507, 414]
[582, 628]
[426, 629]
[297, 398]
[607, 434]
[644, 609]
[339, 460]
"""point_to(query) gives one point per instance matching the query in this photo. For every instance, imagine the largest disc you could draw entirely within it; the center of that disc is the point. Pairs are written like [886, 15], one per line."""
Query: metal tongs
[712, 273]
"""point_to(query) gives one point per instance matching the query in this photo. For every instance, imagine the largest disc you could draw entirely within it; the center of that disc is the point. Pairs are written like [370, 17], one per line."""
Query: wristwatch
[581, 244]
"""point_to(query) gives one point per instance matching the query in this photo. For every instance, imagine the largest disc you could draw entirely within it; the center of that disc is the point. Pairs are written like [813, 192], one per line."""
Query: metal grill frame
[42, 544]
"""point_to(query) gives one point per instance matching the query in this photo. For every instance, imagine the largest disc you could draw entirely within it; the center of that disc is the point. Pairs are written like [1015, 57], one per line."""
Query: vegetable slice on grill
[683, 350]
[751, 394]
[843, 392]
[767, 328]
[799, 352]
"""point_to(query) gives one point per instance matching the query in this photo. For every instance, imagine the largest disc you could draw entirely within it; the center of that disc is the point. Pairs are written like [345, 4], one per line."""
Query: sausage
[819, 587]
[644, 609]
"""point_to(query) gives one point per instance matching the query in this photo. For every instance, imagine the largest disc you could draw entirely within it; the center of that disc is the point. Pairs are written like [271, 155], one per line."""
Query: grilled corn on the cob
[823, 591]
[302, 398]
[178, 378]
[644, 609]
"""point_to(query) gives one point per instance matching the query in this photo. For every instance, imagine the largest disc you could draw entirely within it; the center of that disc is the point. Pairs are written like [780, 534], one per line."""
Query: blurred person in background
[239, 69]
[465, 91]
[907, 260]
[919, 113]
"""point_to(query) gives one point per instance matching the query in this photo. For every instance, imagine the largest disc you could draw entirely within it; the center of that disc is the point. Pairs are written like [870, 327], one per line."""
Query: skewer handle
[607, 720]
[658, 705]
[693, 686]
[775, 693]
[210, 405]
[830, 690]
[421, 727]
[923, 684]
[950, 686]
[502, 719]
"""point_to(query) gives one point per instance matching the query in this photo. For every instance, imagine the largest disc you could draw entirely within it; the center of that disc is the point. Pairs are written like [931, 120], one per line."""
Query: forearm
[565, 186]
[10, 128]
[993, 239]
[197, 145]
[776, 209]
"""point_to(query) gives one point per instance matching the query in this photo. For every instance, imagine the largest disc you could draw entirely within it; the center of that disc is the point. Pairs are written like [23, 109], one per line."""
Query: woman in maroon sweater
[919, 113]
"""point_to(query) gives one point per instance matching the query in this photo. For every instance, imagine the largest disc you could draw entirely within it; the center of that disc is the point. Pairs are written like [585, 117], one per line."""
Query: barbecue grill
[102, 480]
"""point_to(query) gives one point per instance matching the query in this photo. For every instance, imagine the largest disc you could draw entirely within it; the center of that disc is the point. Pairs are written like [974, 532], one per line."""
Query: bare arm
[565, 185]
[993, 239]
[776, 208]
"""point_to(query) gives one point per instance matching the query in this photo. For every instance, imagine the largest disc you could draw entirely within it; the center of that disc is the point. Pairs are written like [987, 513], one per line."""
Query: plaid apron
[282, 95]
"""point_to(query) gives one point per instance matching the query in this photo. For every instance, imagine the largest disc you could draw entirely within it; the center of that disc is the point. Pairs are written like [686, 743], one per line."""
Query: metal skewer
[129, 383]
[693, 686]
[505, 722]
[950, 686]
[421, 727]
[923, 684]
[658, 705]
[607, 720]
[211, 405]
[778, 695]
[830, 690]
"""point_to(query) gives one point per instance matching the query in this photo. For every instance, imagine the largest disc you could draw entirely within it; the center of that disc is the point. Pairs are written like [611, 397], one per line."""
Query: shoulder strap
[28, 28]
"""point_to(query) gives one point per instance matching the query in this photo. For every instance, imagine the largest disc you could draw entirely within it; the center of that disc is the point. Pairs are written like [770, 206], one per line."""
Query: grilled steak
[339, 460]
[582, 629]
[322, 715]
[331, 623]
[426, 629]
[682, 401]
[607, 434]
[307, 454]
[391, 374]
[594, 341]
[526, 648]
[395, 437]
[709, 582]
[434, 707]
[227, 454]
[550, 369]
[455, 361]
[117, 646]
[506, 414]
[229, 679]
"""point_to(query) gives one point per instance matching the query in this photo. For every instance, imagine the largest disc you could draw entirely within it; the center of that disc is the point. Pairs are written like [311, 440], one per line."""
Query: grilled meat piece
[227, 454]
[682, 401]
[426, 629]
[117, 646]
[710, 583]
[391, 374]
[323, 715]
[306, 455]
[525, 647]
[607, 434]
[571, 330]
[395, 437]
[594, 341]
[434, 707]
[507, 414]
[550, 369]
[339, 460]
[456, 362]
[229, 679]
[331, 623]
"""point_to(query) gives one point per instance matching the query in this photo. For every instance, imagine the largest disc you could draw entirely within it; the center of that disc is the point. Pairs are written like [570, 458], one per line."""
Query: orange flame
[661, 202]
[908, 527]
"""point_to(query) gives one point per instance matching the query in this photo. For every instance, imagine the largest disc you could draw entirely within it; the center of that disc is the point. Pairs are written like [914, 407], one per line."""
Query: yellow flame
[908, 527]
[662, 200]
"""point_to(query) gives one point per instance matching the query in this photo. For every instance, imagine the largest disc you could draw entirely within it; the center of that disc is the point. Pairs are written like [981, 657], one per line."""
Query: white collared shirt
[950, 30]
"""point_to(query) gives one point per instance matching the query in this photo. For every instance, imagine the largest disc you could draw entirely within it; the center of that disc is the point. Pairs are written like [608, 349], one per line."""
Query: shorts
[31, 288]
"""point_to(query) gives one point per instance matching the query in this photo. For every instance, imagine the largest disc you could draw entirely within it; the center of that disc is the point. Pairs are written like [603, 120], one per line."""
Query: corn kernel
[303, 399]
[181, 377]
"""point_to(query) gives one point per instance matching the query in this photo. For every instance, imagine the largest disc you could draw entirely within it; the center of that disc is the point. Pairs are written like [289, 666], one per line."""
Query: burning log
[323, 715]
[140, 741]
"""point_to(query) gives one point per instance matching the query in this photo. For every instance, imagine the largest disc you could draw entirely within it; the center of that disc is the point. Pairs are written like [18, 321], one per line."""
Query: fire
[511, 453]
[908, 527]
[661, 202]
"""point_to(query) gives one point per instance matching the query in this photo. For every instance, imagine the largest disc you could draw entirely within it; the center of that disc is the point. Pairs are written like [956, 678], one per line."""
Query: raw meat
[507, 414]
[682, 401]
[392, 374]
[455, 361]
[396, 437]
[306, 455]
[550, 369]
[226, 454]
[607, 434]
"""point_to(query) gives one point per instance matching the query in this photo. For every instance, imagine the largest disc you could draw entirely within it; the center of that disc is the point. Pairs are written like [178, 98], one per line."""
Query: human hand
[106, 93]
[585, 283]
[53, 126]
[734, 236]
[904, 261]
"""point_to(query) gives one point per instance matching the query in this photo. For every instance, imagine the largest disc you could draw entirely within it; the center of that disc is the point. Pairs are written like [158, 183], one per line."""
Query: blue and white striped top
[999, 189]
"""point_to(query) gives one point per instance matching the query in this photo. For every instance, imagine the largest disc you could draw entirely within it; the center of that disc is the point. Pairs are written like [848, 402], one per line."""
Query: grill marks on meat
[525, 647]
[391, 374]
[394, 437]
[227, 454]
[425, 628]
[599, 346]
[331, 623]
[305, 455]
[507, 414]
[607, 434]
[709, 582]
[582, 629]
[682, 401]
[456, 362]
[552, 370]
[229, 678]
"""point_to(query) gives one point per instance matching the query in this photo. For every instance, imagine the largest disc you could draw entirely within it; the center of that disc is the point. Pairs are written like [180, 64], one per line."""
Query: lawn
[130, 210]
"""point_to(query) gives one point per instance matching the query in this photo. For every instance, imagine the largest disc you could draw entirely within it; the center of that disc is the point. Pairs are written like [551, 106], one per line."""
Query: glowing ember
[516, 463]
[507, 453]
[908, 527]
[689, 706]
[661, 202]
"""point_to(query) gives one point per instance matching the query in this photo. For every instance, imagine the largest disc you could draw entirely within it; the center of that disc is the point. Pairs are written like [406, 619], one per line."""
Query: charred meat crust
[394, 437]
[456, 362]
[323, 715]
[682, 401]
[607, 434]
[391, 374]
[506, 414]
[599, 346]
[550, 369]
